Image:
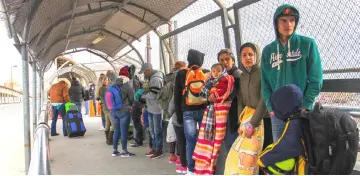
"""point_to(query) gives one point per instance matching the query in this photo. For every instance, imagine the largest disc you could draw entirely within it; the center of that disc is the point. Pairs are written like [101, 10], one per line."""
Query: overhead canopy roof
[61, 25]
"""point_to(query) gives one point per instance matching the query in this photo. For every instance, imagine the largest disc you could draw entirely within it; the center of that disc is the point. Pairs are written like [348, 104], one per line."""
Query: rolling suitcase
[74, 124]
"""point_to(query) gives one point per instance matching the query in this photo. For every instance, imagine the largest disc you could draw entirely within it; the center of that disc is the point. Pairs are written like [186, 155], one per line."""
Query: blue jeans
[86, 107]
[278, 127]
[121, 127]
[191, 118]
[56, 110]
[156, 131]
[102, 118]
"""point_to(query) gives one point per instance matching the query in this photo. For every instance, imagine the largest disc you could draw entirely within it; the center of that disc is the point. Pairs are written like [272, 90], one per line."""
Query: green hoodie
[297, 63]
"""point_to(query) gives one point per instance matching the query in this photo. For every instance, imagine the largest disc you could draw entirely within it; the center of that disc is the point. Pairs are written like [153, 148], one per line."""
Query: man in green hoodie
[290, 59]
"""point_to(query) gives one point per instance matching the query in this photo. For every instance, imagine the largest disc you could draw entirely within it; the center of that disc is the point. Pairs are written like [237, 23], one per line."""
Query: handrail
[40, 155]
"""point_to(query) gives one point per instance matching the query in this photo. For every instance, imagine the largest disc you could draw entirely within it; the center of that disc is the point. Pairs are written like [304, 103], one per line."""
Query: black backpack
[331, 139]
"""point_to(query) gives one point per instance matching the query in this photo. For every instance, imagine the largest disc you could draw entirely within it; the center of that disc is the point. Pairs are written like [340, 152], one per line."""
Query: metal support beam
[220, 3]
[25, 84]
[238, 34]
[193, 24]
[38, 94]
[71, 23]
[224, 24]
[34, 109]
[127, 42]
[123, 55]
[26, 104]
[107, 60]
[237, 28]
[163, 57]
[341, 85]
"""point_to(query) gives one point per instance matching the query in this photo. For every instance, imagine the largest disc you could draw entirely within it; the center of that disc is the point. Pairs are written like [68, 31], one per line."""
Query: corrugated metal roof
[60, 25]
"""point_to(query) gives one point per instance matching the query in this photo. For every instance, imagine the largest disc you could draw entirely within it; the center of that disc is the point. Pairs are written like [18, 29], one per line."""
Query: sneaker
[157, 155]
[178, 162]
[181, 170]
[134, 144]
[126, 154]
[189, 173]
[102, 129]
[150, 153]
[115, 153]
[172, 158]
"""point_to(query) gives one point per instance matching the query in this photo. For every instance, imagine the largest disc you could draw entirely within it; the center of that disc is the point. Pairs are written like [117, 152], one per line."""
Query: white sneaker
[102, 129]
[189, 173]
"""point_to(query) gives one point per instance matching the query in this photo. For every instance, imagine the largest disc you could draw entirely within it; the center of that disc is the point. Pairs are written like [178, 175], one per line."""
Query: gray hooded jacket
[155, 84]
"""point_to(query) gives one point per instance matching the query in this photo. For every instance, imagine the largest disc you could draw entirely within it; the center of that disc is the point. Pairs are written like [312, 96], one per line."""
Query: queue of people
[244, 109]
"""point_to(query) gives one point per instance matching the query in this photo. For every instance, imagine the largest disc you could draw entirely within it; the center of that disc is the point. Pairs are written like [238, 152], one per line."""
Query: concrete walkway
[89, 155]
[77, 156]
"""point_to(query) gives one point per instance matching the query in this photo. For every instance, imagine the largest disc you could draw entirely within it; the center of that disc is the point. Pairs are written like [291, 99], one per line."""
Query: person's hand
[271, 114]
[211, 98]
[249, 130]
[304, 110]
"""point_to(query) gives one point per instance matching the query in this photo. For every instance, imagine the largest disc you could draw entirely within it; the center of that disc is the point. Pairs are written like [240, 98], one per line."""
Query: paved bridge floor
[88, 155]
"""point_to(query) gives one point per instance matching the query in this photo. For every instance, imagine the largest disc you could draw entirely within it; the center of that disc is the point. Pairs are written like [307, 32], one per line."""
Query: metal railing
[40, 155]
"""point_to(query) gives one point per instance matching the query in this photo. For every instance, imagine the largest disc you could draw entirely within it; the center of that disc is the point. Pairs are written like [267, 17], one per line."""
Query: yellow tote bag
[243, 155]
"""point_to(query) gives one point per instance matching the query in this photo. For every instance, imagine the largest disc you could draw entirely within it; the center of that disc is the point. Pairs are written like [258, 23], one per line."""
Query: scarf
[210, 118]
[210, 124]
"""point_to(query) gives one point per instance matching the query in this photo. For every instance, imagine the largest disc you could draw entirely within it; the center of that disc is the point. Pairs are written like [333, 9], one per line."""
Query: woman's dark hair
[227, 51]
[218, 65]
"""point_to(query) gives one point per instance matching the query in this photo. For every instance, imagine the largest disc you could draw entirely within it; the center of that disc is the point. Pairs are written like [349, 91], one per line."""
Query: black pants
[174, 147]
[181, 142]
[138, 138]
[268, 139]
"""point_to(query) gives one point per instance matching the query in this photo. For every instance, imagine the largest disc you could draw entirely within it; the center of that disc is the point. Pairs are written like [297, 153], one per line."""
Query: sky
[10, 57]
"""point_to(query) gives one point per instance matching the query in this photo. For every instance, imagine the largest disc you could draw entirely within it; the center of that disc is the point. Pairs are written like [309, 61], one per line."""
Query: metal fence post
[39, 96]
[25, 78]
[237, 31]
[225, 24]
[26, 104]
[34, 109]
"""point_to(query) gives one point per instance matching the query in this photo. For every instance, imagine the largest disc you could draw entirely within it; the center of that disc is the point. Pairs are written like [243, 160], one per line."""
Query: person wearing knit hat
[124, 71]
[290, 59]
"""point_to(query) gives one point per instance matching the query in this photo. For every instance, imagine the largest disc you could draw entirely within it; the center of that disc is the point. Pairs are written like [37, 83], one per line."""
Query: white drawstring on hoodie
[278, 53]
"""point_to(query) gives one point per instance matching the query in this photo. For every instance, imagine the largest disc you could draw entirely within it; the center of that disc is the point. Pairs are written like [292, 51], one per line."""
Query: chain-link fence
[333, 24]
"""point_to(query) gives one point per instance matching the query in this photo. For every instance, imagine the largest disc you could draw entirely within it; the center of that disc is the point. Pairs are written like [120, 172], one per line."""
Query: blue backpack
[113, 98]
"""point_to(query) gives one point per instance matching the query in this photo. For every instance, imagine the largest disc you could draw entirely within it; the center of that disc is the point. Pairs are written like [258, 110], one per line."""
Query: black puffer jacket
[76, 92]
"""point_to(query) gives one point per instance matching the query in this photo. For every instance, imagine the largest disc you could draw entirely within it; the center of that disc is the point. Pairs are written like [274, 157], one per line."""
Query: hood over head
[195, 57]
[75, 83]
[286, 100]
[257, 56]
[111, 75]
[285, 10]
[132, 70]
